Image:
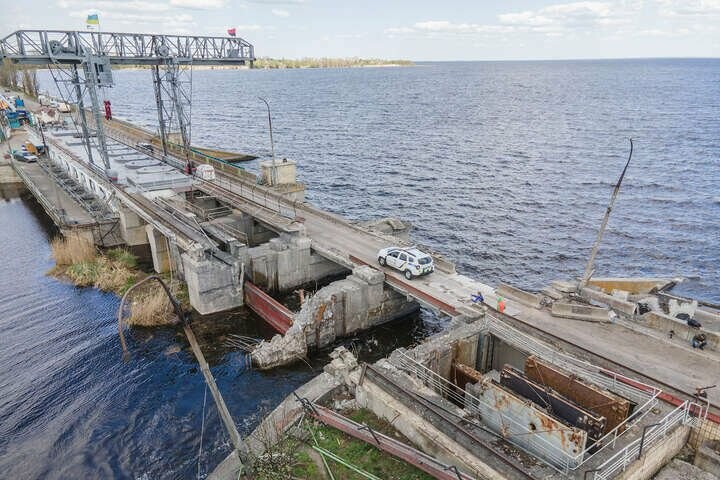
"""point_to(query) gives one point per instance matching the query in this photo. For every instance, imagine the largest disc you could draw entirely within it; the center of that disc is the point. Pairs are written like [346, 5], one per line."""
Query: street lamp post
[272, 144]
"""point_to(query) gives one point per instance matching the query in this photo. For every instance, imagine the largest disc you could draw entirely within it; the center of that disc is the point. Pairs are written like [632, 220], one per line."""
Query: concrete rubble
[342, 308]
[389, 226]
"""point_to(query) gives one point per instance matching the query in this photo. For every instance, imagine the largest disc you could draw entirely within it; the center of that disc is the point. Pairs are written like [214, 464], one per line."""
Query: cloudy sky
[416, 30]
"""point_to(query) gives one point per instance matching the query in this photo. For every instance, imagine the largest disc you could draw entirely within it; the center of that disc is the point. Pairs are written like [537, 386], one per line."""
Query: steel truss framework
[50, 46]
[81, 63]
[173, 92]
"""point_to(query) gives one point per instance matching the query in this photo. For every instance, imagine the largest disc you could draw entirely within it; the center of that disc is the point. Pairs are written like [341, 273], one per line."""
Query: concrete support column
[159, 250]
[286, 262]
[132, 227]
[213, 282]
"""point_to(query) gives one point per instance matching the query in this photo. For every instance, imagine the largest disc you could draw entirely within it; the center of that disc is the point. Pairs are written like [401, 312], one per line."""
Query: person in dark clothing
[699, 341]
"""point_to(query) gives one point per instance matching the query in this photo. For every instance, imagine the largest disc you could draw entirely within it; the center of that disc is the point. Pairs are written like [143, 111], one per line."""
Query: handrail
[619, 462]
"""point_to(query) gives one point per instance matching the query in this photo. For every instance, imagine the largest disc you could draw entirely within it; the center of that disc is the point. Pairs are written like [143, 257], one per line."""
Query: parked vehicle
[411, 261]
[205, 172]
[145, 146]
[24, 156]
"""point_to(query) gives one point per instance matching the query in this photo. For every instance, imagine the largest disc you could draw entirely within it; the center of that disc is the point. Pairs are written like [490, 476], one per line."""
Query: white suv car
[411, 261]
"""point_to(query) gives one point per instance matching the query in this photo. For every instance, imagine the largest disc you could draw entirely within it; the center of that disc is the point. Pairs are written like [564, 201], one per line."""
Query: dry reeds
[77, 259]
[71, 250]
[151, 308]
[113, 277]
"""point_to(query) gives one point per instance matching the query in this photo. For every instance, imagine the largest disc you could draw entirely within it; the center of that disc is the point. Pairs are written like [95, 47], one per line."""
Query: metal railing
[632, 389]
[646, 396]
[651, 436]
[540, 448]
[96, 207]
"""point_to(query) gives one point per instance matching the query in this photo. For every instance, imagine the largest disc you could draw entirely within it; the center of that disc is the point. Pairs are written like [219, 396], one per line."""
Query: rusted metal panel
[273, 312]
[547, 398]
[520, 422]
[614, 408]
[490, 453]
[462, 375]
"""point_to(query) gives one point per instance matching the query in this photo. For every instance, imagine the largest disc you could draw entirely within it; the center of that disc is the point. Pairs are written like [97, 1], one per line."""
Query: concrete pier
[213, 282]
[159, 246]
[340, 309]
[287, 262]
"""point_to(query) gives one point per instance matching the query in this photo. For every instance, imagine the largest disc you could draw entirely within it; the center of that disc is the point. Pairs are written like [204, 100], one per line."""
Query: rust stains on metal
[320, 312]
[614, 408]
[462, 374]
[560, 406]
[269, 309]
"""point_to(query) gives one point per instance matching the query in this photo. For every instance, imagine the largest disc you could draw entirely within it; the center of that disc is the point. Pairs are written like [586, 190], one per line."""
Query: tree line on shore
[19, 78]
[308, 62]
[325, 62]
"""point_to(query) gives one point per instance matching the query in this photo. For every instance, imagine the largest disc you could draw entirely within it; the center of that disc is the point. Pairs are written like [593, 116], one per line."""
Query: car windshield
[425, 260]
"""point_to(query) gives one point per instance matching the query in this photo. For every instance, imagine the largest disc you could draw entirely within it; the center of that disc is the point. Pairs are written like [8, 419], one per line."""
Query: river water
[504, 166]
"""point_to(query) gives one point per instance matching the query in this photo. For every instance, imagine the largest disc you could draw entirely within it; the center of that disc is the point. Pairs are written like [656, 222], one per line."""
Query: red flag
[231, 32]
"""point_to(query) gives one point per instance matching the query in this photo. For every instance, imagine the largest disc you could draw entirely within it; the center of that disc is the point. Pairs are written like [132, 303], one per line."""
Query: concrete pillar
[132, 227]
[159, 250]
[213, 282]
[287, 262]
[342, 308]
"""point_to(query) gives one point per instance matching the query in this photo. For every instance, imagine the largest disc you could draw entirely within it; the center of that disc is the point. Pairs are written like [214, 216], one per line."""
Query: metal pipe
[596, 246]
[235, 438]
[273, 171]
[642, 439]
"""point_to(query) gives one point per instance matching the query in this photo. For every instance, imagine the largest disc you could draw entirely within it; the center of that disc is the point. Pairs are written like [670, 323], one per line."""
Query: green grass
[356, 452]
[83, 274]
[122, 256]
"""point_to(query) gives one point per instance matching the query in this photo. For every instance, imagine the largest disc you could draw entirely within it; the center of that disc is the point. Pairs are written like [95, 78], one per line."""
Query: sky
[402, 29]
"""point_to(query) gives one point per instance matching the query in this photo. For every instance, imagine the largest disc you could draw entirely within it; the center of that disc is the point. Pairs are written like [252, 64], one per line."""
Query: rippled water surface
[506, 167]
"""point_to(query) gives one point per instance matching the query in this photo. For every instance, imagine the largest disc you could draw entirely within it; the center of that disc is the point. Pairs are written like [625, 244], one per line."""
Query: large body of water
[504, 166]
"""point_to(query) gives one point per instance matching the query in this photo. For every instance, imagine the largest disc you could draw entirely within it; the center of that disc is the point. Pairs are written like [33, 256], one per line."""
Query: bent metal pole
[591, 261]
[240, 447]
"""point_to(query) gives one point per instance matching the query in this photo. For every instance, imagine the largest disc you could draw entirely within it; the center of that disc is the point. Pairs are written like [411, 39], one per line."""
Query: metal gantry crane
[80, 63]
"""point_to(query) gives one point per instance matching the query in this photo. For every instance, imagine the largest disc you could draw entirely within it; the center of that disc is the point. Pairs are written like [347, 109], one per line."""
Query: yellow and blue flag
[93, 19]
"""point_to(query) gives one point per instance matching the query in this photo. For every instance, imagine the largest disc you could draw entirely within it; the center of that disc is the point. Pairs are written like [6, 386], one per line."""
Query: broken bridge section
[340, 309]
[273, 312]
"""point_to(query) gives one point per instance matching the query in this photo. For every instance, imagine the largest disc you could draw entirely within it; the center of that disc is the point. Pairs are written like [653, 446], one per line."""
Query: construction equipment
[80, 62]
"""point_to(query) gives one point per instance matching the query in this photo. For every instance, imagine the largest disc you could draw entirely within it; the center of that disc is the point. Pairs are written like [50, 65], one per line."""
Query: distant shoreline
[284, 63]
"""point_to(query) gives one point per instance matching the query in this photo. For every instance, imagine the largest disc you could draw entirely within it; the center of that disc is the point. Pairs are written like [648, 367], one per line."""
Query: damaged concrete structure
[286, 262]
[641, 303]
[340, 309]
[496, 403]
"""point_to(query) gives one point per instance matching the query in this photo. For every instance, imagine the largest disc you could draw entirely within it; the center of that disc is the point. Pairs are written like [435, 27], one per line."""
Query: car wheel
[381, 261]
[408, 274]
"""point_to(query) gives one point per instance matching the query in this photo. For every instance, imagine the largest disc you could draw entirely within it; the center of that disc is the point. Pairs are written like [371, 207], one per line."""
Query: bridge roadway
[675, 368]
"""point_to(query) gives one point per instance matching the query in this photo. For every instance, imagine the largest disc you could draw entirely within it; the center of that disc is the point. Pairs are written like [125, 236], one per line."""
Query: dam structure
[236, 238]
